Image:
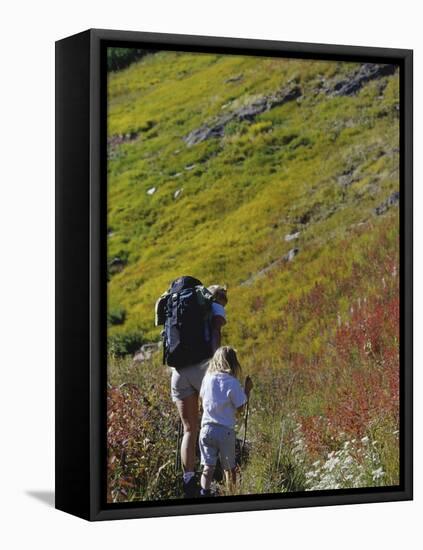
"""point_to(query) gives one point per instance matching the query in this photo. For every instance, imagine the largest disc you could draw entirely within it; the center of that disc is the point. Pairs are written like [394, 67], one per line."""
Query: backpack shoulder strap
[159, 309]
[204, 296]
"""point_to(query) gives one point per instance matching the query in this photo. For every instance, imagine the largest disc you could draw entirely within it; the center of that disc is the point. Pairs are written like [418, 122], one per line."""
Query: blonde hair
[218, 293]
[225, 360]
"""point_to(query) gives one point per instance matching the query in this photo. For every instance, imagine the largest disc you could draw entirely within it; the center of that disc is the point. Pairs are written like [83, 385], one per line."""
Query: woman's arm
[216, 326]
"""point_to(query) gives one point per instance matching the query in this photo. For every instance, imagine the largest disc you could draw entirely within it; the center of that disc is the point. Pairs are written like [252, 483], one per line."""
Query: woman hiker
[185, 388]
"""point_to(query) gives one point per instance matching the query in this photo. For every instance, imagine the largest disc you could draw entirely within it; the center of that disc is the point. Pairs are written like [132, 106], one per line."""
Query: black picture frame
[81, 276]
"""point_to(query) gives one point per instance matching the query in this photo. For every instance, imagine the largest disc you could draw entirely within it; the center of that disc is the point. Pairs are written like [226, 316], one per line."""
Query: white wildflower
[331, 463]
[377, 474]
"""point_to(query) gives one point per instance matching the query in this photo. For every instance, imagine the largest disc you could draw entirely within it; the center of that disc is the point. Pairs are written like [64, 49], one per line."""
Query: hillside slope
[279, 178]
[317, 165]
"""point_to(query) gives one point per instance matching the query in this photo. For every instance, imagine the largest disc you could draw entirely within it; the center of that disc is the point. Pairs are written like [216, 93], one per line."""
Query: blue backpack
[184, 310]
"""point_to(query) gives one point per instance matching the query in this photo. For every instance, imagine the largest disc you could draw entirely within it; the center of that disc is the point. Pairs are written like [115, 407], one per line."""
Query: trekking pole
[178, 443]
[247, 410]
[247, 387]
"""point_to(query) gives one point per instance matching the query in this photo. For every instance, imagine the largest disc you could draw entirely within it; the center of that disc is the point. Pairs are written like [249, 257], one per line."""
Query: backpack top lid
[184, 282]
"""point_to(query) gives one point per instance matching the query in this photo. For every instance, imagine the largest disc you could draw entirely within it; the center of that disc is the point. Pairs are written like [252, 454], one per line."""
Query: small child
[222, 396]
[218, 315]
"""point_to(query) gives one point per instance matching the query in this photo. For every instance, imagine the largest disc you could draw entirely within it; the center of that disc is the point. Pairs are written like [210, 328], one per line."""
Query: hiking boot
[190, 488]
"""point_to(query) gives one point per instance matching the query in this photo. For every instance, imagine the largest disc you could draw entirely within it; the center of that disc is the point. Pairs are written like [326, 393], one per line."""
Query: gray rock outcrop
[354, 82]
[216, 128]
[392, 200]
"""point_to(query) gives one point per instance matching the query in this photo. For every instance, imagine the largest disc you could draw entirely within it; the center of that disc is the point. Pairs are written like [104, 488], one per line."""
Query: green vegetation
[313, 332]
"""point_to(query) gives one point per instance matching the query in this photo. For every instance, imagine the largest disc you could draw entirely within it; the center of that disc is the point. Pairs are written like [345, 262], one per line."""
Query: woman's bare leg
[188, 411]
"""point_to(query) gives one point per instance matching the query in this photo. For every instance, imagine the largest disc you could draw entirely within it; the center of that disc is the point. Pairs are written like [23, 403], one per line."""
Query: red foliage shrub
[365, 374]
[138, 435]
[362, 353]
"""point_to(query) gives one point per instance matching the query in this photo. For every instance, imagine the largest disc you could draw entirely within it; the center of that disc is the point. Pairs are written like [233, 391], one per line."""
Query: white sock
[188, 476]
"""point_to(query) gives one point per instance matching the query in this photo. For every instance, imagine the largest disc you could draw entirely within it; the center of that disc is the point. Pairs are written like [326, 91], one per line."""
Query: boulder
[292, 236]
[291, 254]
[146, 352]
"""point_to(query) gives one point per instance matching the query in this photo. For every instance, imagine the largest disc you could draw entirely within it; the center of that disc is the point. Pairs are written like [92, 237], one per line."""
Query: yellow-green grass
[246, 192]
[221, 228]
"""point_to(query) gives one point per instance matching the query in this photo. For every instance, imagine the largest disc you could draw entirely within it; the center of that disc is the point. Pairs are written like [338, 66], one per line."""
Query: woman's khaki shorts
[187, 381]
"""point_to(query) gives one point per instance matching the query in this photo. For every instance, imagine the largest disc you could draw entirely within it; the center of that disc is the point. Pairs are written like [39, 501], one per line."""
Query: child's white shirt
[221, 395]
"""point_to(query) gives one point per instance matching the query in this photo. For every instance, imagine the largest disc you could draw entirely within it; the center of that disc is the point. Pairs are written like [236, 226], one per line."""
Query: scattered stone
[190, 167]
[113, 143]
[291, 254]
[177, 175]
[392, 200]
[304, 218]
[347, 177]
[235, 78]
[286, 258]
[116, 265]
[177, 193]
[292, 236]
[247, 113]
[117, 262]
[146, 352]
[151, 191]
[118, 139]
